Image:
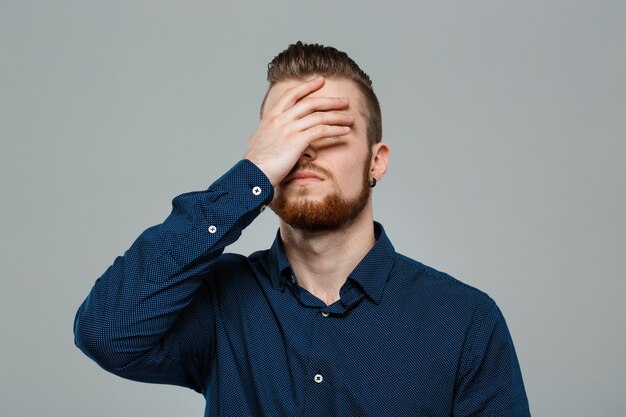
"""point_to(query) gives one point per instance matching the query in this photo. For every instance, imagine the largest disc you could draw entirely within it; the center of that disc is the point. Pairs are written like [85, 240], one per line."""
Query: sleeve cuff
[246, 183]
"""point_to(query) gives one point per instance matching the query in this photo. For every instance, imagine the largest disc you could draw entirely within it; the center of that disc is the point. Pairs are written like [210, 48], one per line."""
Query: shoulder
[232, 270]
[437, 288]
[228, 263]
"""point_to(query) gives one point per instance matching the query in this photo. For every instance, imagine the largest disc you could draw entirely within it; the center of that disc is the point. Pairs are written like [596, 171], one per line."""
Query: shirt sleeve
[139, 310]
[490, 381]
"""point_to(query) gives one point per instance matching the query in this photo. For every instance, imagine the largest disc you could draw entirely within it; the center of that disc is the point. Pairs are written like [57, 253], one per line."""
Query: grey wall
[506, 123]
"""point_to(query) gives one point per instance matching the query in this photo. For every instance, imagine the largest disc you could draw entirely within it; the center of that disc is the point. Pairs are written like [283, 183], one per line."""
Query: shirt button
[256, 190]
[212, 229]
[318, 378]
[263, 207]
[325, 314]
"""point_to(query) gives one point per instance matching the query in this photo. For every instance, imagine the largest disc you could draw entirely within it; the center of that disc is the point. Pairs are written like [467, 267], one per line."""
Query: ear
[378, 164]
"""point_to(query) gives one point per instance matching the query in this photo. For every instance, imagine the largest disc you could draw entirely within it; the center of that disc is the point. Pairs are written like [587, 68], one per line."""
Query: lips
[302, 177]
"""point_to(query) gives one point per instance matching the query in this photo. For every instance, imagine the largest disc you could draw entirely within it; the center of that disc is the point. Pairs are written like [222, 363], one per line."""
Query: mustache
[309, 166]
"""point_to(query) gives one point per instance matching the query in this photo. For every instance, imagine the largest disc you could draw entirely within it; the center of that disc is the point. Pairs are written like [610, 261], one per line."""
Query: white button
[256, 190]
[325, 314]
[293, 279]
[318, 378]
[212, 229]
[263, 207]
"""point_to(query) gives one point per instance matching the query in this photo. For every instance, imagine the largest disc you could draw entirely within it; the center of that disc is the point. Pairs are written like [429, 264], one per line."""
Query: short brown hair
[301, 60]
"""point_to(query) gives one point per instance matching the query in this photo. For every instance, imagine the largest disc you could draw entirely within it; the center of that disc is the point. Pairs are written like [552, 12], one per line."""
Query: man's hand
[294, 121]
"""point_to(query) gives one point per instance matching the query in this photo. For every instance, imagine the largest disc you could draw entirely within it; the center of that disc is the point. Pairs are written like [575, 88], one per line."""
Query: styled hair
[300, 61]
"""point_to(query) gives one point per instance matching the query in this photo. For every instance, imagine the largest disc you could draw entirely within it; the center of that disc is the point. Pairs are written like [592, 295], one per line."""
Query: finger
[309, 105]
[332, 118]
[293, 94]
[323, 131]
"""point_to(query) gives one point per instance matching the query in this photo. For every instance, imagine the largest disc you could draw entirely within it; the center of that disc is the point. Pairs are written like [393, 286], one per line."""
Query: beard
[332, 213]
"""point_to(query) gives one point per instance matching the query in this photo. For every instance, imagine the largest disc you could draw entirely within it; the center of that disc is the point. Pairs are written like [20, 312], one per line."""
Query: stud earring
[373, 183]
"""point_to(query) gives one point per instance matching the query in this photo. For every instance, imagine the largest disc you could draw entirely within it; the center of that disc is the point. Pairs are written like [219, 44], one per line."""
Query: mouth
[302, 177]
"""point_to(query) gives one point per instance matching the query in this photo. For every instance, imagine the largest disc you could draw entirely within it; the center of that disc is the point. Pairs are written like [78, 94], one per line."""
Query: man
[330, 321]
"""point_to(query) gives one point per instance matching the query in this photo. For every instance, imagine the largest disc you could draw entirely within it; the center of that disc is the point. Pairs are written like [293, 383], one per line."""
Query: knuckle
[324, 129]
[318, 117]
[296, 90]
[284, 131]
[272, 114]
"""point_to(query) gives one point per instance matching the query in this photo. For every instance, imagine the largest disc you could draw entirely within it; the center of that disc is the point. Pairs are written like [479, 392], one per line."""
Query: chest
[275, 354]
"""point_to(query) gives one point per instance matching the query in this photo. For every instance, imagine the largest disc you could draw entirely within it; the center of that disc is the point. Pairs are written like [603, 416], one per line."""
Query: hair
[301, 60]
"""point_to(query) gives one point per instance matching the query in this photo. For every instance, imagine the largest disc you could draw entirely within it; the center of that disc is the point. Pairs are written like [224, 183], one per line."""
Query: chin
[327, 212]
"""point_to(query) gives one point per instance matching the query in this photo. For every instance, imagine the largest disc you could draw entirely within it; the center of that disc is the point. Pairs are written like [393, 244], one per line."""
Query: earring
[373, 183]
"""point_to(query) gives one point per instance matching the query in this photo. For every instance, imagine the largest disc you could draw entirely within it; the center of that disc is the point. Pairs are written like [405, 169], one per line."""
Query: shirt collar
[280, 266]
[371, 274]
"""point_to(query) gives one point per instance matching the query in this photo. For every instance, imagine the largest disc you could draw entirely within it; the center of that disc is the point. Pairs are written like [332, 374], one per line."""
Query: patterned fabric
[403, 340]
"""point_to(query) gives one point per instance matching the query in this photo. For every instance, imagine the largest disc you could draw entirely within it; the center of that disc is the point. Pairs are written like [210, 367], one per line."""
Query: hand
[289, 127]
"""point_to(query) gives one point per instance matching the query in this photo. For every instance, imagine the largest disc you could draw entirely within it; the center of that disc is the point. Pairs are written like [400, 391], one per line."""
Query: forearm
[139, 297]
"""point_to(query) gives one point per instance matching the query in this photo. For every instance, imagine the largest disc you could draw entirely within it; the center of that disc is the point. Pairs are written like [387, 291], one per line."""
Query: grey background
[506, 124]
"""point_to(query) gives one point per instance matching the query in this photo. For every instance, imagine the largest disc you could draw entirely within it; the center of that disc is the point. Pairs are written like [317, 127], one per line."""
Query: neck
[323, 260]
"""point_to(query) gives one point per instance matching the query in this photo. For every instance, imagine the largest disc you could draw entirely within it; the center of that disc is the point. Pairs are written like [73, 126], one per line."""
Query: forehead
[333, 87]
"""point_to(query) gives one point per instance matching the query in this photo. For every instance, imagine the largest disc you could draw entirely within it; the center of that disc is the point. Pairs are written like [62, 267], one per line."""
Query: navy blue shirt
[403, 340]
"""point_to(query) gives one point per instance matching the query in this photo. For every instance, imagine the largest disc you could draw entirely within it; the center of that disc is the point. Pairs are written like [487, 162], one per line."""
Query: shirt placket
[319, 378]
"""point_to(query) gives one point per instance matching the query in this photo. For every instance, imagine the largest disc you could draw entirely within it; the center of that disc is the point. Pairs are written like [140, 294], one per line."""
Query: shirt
[403, 340]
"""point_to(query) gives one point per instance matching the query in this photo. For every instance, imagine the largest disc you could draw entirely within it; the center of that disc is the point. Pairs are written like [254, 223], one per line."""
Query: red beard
[332, 213]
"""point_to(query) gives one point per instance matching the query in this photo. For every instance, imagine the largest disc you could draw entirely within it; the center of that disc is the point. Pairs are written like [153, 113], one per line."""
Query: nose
[309, 154]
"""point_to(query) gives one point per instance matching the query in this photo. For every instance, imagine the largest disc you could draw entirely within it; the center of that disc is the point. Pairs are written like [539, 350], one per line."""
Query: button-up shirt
[403, 339]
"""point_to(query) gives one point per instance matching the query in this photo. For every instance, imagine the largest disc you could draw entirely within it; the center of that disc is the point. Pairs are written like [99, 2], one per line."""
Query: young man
[329, 321]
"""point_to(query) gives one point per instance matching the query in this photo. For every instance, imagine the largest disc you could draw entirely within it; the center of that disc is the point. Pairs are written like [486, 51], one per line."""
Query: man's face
[329, 186]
